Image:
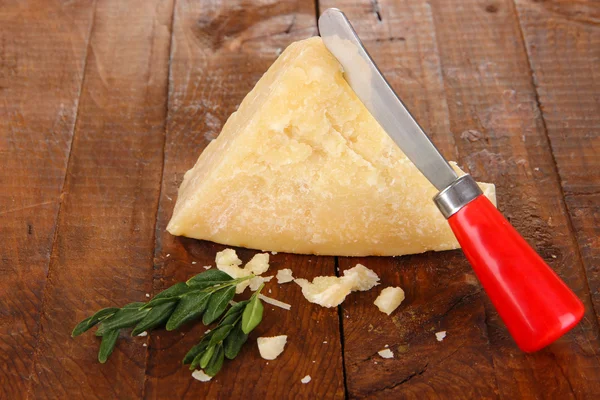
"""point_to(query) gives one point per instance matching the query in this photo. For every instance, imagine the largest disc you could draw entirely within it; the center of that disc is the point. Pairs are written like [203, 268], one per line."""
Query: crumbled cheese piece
[207, 267]
[306, 379]
[271, 347]
[362, 277]
[147, 294]
[145, 345]
[257, 281]
[273, 252]
[330, 291]
[227, 257]
[259, 264]
[143, 334]
[389, 299]
[386, 346]
[284, 276]
[194, 262]
[326, 291]
[325, 342]
[168, 255]
[440, 335]
[274, 302]
[201, 376]
[386, 353]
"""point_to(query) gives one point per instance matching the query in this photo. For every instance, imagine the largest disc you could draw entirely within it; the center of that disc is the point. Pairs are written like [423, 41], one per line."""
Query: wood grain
[220, 50]
[42, 53]
[441, 289]
[104, 245]
[563, 44]
[489, 91]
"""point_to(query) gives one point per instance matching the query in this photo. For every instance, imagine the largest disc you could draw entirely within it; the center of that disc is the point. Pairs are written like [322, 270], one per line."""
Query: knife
[534, 303]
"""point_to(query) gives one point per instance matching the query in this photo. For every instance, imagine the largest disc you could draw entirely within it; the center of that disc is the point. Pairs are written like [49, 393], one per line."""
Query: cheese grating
[302, 167]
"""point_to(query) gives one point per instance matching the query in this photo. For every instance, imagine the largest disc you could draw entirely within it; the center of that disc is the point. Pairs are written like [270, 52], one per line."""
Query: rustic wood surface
[104, 105]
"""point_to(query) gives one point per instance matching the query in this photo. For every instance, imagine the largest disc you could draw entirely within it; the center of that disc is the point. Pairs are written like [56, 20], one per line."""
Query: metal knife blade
[373, 90]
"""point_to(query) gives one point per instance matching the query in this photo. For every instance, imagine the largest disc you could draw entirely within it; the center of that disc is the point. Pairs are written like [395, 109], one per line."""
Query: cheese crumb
[147, 294]
[145, 345]
[227, 257]
[143, 334]
[389, 299]
[273, 252]
[207, 267]
[306, 379]
[199, 375]
[194, 263]
[284, 276]
[259, 264]
[271, 347]
[331, 291]
[257, 281]
[440, 335]
[326, 291]
[386, 353]
[362, 277]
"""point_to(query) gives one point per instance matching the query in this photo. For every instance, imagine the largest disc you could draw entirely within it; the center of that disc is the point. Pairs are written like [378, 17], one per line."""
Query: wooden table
[104, 105]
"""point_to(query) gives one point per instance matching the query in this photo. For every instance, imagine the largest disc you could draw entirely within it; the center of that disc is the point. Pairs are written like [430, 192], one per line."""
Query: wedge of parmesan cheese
[271, 347]
[302, 167]
[331, 291]
[389, 299]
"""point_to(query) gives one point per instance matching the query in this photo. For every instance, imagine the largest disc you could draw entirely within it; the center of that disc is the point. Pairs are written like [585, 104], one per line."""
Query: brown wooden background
[105, 104]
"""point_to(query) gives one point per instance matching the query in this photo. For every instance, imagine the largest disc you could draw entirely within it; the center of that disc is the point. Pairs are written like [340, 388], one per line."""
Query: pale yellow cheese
[302, 167]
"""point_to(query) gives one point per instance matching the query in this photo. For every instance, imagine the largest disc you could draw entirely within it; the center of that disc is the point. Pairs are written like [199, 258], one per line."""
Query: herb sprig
[205, 295]
[227, 339]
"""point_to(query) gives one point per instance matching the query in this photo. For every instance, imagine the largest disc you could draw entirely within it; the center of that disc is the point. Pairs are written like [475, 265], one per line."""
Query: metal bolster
[460, 193]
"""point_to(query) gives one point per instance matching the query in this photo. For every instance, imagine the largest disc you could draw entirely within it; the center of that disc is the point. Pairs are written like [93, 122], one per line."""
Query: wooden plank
[220, 50]
[42, 53]
[501, 138]
[563, 44]
[442, 292]
[103, 251]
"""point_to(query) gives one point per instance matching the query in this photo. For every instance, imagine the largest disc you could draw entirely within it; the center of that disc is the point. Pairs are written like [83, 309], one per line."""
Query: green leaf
[252, 314]
[220, 333]
[190, 306]
[208, 278]
[135, 305]
[124, 318]
[90, 322]
[176, 290]
[216, 362]
[207, 356]
[217, 304]
[234, 313]
[169, 295]
[197, 349]
[234, 341]
[157, 316]
[108, 345]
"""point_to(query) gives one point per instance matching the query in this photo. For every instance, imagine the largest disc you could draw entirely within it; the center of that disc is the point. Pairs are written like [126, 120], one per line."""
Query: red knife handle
[534, 303]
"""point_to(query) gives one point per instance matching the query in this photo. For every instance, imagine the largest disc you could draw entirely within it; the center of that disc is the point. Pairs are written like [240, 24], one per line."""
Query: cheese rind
[302, 167]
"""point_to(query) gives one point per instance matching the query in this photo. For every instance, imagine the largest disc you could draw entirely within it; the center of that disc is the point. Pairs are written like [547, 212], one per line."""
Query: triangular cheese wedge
[303, 167]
